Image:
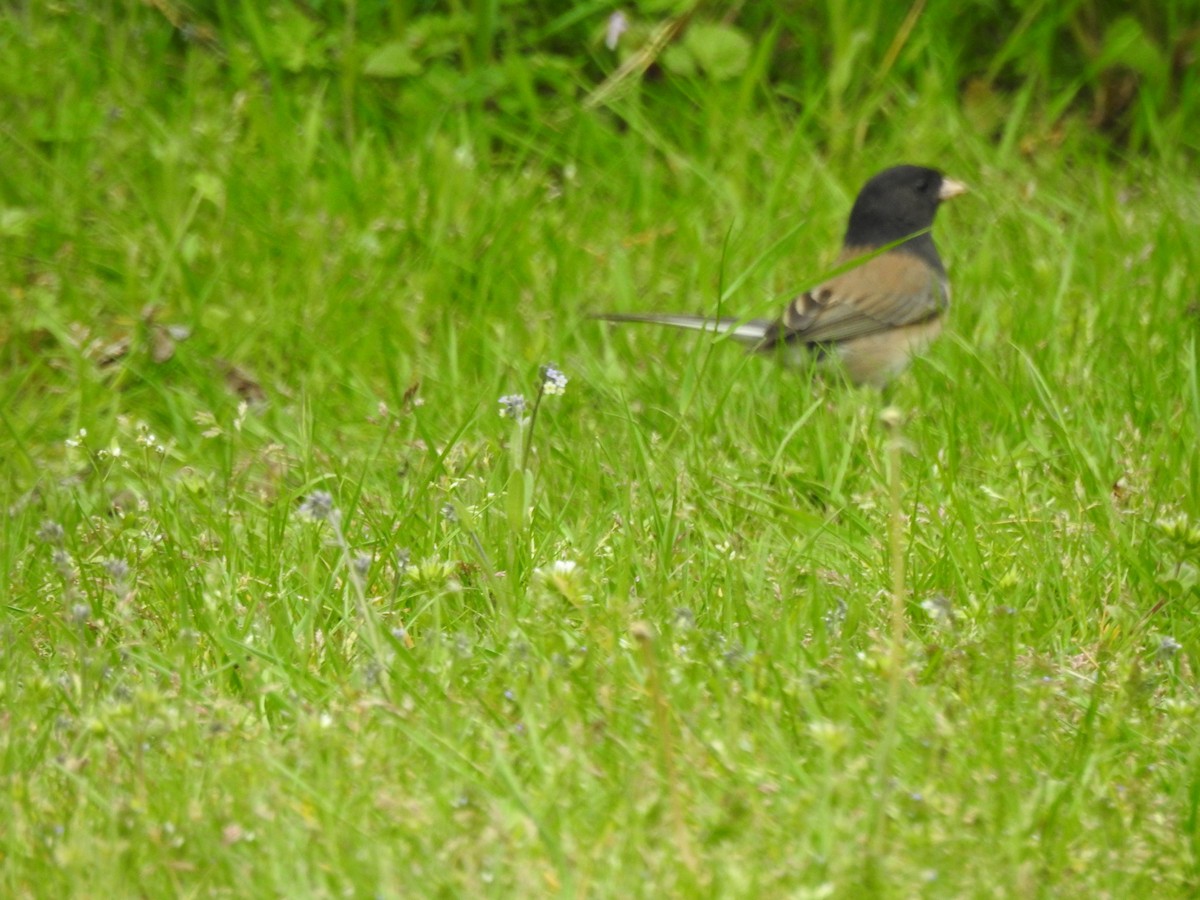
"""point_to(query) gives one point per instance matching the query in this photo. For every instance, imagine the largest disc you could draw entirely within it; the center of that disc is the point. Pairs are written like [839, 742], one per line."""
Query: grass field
[291, 610]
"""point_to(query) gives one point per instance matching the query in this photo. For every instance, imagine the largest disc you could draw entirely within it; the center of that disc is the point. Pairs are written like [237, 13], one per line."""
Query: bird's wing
[890, 290]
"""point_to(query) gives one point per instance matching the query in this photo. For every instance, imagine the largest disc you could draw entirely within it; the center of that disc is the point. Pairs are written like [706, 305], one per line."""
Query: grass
[646, 644]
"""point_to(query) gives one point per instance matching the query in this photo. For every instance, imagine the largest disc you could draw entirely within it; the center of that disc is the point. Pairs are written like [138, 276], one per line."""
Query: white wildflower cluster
[554, 382]
[563, 578]
[939, 608]
[147, 440]
[433, 574]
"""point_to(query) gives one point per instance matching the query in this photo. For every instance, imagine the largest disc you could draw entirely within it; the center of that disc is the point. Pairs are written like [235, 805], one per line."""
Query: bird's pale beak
[951, 188]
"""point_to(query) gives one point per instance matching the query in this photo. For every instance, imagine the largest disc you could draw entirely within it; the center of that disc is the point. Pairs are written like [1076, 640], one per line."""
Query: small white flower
[565, 578]
[939, 608]
[464, 156]
[618, 24]
[553, 380]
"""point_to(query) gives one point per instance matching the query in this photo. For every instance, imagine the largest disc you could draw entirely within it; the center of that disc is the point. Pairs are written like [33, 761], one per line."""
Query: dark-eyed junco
[874, 316]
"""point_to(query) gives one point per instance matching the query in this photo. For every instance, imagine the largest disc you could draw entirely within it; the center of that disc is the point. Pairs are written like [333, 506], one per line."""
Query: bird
[884, 305]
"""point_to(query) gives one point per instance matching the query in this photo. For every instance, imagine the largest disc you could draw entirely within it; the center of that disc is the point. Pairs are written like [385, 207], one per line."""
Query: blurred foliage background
[1126, 70]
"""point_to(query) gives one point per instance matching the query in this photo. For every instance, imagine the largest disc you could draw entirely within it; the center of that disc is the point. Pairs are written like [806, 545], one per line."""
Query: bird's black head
[897, 203]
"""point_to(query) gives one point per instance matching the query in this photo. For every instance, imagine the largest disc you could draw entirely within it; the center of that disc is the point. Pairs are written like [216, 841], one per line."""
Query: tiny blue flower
[318, 505]
[512, 406]
[553, 380]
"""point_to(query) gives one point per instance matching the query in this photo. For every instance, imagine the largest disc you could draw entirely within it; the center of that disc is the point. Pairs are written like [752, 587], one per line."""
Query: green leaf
[433, 35]
[1126, 44]
[678, 60]
[1183, 579]
[520, 487]
[293, 41]
[721, 51]
[15, 221]
[394, 60]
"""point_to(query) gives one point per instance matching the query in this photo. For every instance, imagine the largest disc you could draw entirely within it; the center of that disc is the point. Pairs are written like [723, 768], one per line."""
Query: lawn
[292, 609]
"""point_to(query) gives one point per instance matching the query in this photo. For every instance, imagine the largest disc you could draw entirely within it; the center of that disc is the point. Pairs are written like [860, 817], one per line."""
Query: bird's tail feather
[750, 332]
